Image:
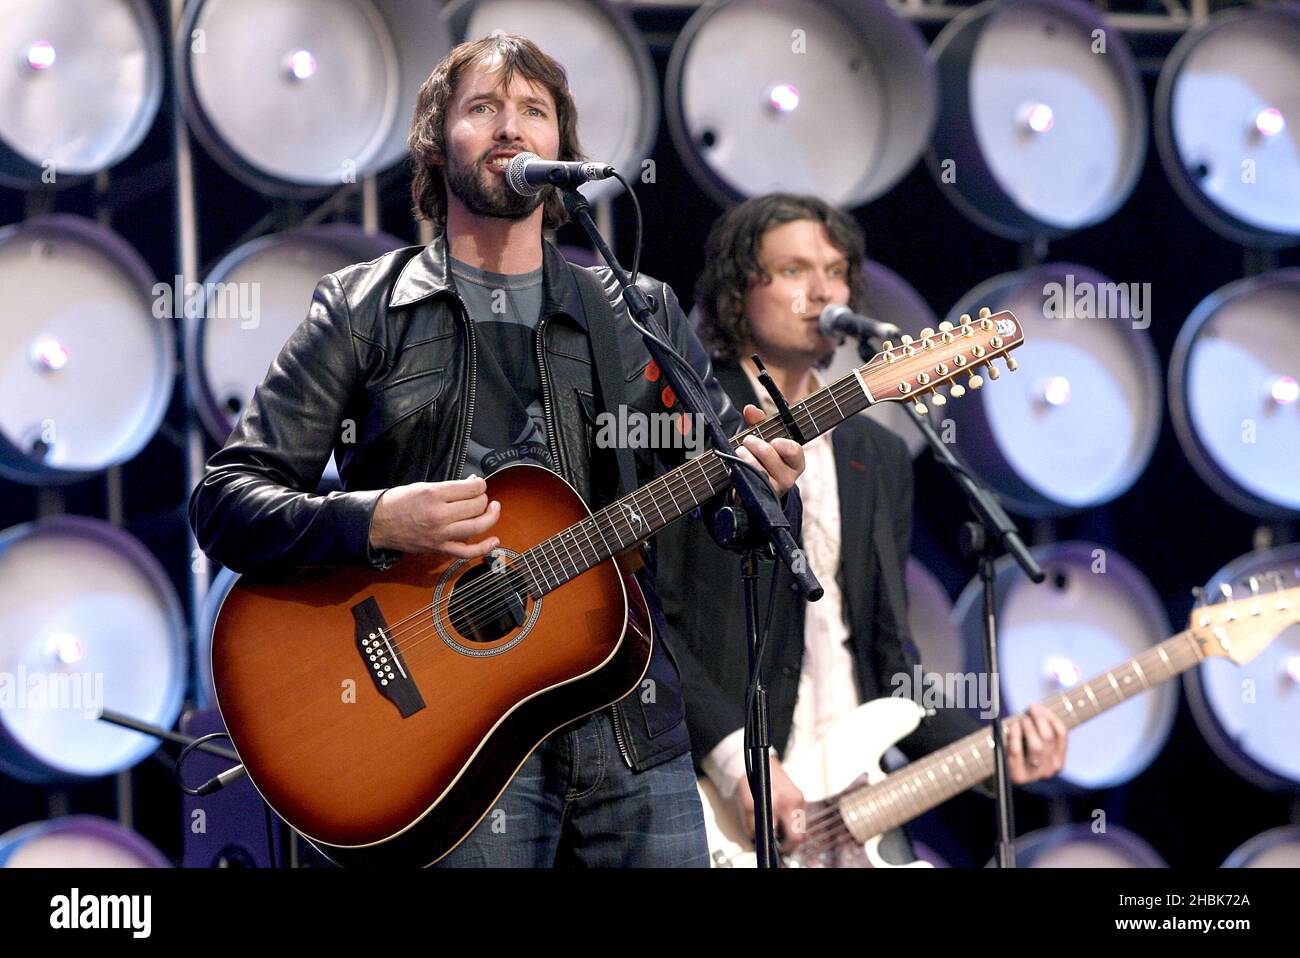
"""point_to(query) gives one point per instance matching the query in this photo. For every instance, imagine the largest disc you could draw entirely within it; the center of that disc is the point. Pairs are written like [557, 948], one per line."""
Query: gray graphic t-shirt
[509, 425]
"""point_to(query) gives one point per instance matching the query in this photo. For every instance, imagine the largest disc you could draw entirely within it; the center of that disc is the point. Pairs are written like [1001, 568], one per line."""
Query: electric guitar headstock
[914, 368]
[1241, 628]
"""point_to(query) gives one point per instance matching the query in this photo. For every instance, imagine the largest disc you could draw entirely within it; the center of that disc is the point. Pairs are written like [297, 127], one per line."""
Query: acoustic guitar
[381, 714]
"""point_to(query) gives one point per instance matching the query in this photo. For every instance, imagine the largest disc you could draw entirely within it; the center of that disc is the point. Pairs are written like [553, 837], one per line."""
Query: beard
[494, 198]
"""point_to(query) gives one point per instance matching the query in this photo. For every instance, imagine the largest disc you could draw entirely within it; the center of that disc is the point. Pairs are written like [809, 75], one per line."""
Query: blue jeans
[575, 803]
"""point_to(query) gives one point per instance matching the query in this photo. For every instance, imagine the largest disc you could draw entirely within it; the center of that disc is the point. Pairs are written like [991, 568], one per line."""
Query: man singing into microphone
[428, 368]
[772, 265]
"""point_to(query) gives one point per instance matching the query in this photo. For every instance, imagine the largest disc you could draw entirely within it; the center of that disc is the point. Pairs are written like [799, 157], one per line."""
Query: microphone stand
[991, 531]
[759, 506]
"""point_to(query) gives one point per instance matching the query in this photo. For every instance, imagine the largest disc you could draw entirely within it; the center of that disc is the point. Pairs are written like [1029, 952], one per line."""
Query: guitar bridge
[383, 660]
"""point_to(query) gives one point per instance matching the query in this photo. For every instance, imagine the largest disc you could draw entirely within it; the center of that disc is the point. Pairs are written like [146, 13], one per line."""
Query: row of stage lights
[1031, 112]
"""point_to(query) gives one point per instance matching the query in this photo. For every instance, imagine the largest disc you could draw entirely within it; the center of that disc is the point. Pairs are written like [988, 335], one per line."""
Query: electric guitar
[381, 714]
[850, 810]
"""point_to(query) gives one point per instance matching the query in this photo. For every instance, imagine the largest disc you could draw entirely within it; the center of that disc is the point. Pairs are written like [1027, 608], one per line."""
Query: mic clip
[782, 407]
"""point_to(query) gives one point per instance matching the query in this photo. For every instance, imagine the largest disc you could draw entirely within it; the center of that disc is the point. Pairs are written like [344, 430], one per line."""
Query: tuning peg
[994, 372]
[965, 319]
[906, 340]
[939, 399]
[920, 407]
[945, 326]
[1226, 590]
[975, 382]
[985, 312]
[1198, 596]
[887, 345]
[1254, 585]
[1012, 364]
[927, 333]
[957, 390]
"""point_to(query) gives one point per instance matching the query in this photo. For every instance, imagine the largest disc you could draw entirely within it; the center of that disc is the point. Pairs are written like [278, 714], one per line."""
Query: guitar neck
[637, 516]
[932, 780]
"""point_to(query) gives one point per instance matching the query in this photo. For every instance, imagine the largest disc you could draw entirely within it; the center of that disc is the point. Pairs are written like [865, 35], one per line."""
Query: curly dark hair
[731, 265]
[427, 141]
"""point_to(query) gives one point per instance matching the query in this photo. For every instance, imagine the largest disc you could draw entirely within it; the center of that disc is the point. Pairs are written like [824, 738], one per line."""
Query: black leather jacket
[382, 373]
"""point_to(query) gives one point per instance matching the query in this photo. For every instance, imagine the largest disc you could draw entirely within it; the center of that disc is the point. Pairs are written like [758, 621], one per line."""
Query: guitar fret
[1137, 667]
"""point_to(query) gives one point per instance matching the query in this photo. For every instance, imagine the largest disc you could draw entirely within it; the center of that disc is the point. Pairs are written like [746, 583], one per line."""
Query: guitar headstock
[1241, 628]
[913, 368]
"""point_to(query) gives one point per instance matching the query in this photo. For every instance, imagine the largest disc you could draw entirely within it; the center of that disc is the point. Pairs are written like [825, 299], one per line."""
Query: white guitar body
[848, 754]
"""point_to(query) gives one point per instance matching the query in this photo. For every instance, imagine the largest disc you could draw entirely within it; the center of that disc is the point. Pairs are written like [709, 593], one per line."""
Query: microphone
[838, 320]
[528, 173]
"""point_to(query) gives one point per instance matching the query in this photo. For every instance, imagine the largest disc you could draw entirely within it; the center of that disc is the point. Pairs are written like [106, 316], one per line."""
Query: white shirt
[826, 685]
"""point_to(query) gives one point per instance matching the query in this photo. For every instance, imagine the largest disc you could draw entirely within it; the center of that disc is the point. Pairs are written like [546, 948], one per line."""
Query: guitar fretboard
[932, 780]
[637, 516]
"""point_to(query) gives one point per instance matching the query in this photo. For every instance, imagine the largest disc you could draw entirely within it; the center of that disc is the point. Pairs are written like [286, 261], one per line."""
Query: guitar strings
[495, 590]
[483, 596]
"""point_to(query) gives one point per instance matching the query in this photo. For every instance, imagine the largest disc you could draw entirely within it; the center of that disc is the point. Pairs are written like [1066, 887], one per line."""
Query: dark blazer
[701, 593]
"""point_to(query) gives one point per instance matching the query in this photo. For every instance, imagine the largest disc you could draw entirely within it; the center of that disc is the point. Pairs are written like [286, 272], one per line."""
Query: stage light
[754, 86]
[65, 647]
[1077, 427]
[1056, 391]
[40, 55]
[1233, 390]
[78, 841]
[1284, 390]
[1082, 846]
[297, 97]
[1038, 118]
[1248, 713]
[49, 353]
[254, 298]
[1221, 104]
[1275, 848]
[88, 621]
[611, 76]
[1042, 128]
[302, 65]
[784, 97]
[1269, 122]
[1095, 612]
[80, 88]
[100, 364]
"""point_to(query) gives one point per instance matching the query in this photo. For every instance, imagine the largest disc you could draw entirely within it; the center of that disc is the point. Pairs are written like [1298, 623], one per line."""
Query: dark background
[1188, 804]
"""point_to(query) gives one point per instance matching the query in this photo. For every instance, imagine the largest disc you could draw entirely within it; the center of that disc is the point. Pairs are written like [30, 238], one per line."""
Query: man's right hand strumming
[436, 517]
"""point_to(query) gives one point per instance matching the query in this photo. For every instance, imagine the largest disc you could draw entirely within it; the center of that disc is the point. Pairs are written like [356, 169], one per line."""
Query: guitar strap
[608, 368]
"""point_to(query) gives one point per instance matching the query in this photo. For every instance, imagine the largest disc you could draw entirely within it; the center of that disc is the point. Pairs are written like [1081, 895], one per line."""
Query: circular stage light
[1227, 123]
[1249, 713]
[296, 97]
[1078, 846]
[1232, 392]
[1094, 613]
[80, 87]
[254, 299]
[1042, 125]
[88, 367]
[82, 586]
[890, 298]
[611, 75]
[1076, 426]
[834, 98]
[78, 841]
[1275, 848]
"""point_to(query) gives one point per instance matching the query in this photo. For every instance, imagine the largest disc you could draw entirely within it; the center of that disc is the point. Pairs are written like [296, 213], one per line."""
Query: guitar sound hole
[486, 605]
